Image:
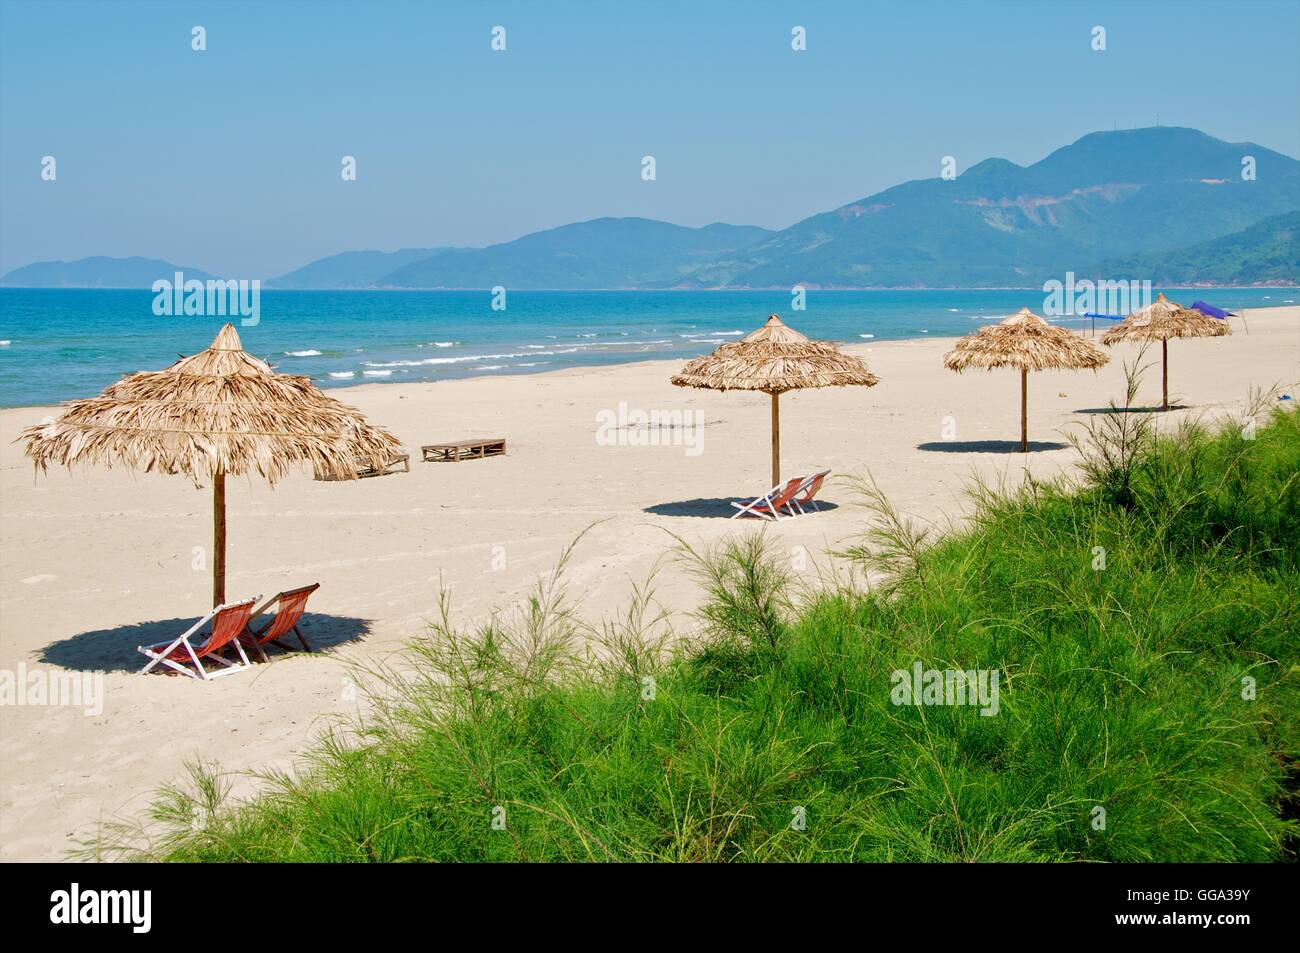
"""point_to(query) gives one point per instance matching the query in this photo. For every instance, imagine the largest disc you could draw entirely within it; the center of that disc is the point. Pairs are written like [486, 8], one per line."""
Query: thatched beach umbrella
[1026, 341]
[775, 359]
[1159, 321]
[219, 413]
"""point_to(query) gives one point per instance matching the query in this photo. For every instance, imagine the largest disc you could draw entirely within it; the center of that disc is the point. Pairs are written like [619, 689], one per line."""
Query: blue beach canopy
[1211, 310]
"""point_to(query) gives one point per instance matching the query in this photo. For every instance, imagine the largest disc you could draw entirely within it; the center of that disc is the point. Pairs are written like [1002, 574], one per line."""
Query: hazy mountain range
[1000, 224]
[604, 253]
[350, 269]
[97, 272]
[1144, 202]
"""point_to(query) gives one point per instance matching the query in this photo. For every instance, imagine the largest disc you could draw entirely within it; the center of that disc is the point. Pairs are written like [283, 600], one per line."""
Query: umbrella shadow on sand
[113, 650]
[715, 508]
[1128, 410]
[988, 446]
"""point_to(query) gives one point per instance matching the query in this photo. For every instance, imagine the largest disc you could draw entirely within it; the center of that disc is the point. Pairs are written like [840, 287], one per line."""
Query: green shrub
[1121, 689]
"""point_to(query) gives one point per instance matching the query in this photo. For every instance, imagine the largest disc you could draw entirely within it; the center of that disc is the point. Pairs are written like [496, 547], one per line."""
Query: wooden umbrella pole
[776, 439]
[1164, 373]
[218, 538]
[1024, 410]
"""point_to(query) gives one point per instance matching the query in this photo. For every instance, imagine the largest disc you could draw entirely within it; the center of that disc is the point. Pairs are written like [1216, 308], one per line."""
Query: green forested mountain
[1000, 224]
[1267, 252]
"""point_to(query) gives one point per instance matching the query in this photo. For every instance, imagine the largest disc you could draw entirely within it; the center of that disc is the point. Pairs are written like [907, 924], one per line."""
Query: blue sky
[229, 159]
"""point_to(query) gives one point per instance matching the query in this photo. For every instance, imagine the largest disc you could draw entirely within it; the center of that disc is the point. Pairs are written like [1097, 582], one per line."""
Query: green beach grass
[1144, 625]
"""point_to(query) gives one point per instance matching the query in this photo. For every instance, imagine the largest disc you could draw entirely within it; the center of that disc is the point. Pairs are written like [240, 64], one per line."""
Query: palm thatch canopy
[1159, 321]
[219, 412]
[1024, 341]
[1164, 319]
[775, 359]
[1027, 342]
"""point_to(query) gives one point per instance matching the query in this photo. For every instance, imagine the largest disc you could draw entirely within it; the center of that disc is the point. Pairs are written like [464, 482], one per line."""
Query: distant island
[1163, 203]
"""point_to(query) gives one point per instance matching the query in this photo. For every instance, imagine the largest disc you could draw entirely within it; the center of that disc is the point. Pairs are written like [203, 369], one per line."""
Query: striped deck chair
[228, 622]
[769, 505]
[808, 491]
[292, 604]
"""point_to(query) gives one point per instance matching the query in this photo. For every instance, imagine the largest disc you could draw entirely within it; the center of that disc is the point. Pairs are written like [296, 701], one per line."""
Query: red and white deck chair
[769, 505]
[228, 622]
[292, 603]
[806, 495]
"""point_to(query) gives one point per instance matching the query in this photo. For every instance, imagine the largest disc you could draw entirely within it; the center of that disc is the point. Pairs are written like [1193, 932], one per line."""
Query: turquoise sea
[57, 344]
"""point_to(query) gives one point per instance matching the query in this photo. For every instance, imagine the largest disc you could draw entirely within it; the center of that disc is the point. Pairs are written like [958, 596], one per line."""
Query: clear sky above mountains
[230, 157]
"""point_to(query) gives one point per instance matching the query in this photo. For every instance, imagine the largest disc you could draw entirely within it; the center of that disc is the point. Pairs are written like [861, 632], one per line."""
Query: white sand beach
[96, 562]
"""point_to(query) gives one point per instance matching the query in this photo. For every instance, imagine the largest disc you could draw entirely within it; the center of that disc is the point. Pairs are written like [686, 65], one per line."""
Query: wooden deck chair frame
[276, 626]
[769, 505]
[807, 492]
[211, 649]
[404, 459]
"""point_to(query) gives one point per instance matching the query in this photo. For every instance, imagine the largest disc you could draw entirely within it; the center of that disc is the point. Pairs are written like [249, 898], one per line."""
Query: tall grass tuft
[1114, 444]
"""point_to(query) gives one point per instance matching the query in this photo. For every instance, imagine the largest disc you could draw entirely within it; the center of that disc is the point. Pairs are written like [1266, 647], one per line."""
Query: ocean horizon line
[715, 290]
[59, 344]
